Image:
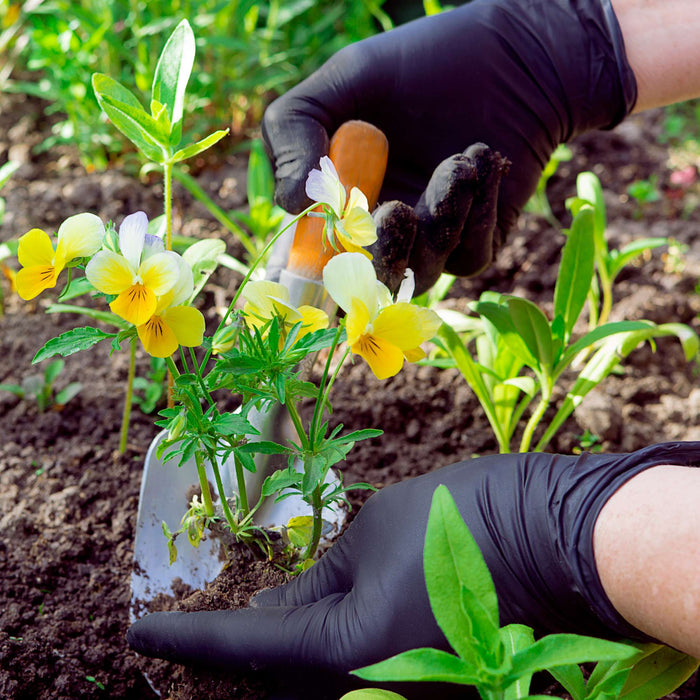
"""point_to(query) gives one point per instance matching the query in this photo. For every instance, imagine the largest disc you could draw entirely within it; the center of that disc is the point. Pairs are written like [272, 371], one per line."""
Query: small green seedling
[644, 192]
[40, 388]
[500, 661]
[539, 202]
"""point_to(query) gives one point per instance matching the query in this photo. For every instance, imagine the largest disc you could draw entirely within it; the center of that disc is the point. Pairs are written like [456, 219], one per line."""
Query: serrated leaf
[280, 480]
[71, 342]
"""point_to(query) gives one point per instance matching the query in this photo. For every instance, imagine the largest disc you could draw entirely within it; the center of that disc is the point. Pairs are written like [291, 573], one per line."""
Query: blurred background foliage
[248, 52]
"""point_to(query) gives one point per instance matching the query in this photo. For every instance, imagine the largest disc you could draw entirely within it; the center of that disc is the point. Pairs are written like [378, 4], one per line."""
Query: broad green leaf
[575, 271]
[562, 649]
[279, 480]
[261, 180]
[571, 678]
[71, 342]
[315, 467]
[533, 327]
[232, 424]
[588, 187]
[299, 529]
[172, 75]
[202, 255]
[67, 393]
[421, 665]
[128, 115]
[266, 447]
[658, 674]
[194, 149]
[620, 258]
[53, 369]
[452, 562]
[498, 323]
[372, 694]
[515, 638]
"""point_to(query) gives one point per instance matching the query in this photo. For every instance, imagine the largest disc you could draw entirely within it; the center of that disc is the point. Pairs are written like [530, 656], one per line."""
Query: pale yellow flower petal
[325, 187]
[401, 325]
[414, 355]
[312, 319]
[158, 339]
[135, 305]
[259, 295]
[351, 275]
[181, 291]
[356, 321]
[32, 281]
[109, 273]
[80, 236]
[35, 248]
[187, 323]
[384, 359]
[356, 200]
[160, 272]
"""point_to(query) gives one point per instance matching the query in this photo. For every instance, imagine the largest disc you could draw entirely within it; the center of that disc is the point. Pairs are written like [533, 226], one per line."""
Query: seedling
[40, 388]
[500, 661]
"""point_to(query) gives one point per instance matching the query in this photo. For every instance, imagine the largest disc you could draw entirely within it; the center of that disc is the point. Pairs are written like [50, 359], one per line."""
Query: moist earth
[68, 497]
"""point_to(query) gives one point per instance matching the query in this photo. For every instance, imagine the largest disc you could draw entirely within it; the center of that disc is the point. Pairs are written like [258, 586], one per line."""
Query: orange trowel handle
[359, 152]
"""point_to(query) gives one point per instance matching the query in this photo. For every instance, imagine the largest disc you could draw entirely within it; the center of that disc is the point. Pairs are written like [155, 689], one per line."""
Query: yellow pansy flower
[173, 323]
[79, 236]
[382, 331]
[139, 275]
[347, 218]
[265, 300]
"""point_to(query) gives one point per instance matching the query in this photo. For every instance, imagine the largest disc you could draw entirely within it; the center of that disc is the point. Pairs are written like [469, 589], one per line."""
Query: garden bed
[68, 499]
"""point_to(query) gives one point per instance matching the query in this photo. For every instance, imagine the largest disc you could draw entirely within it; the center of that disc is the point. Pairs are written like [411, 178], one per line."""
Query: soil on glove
[68, 498]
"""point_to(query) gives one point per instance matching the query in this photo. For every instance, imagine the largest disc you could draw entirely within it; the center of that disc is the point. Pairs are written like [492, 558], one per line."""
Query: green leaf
[266, 447]
[233, 424]
[315, 469]
[129, 116]
[562, 649]
[515, 638]
[620, 258]
[372, 694]
[279, 480]
[71, 342]
[194, 149]
[421, 665]
[261, 180]
[575, 271]
[533, 327]
[67, 393]
[53, 369]
[658, 674]
[299, 529]
[172, 75]
[358, 435]
[453, 563]
[588, 187]
[571, 678]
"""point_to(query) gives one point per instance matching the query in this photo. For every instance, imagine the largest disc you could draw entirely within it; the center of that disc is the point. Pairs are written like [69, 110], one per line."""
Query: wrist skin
[662, 42]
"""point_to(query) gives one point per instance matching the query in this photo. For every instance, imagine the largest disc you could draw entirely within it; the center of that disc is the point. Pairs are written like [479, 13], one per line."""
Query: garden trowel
[359, 153]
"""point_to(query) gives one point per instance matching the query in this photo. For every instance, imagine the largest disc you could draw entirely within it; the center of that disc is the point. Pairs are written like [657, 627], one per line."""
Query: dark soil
[68, 499]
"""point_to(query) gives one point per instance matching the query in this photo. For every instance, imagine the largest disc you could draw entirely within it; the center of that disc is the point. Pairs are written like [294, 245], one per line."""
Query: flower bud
[177, 427]
[224, 339]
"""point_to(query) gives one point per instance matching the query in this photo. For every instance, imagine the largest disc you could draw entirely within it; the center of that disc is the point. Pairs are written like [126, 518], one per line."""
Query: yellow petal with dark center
[384, 359]
[35, 249]
[32, 281]
[135, 305]
[158, 339]
[187, 323]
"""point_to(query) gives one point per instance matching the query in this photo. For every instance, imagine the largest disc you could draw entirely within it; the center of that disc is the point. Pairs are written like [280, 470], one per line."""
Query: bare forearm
[662, 40]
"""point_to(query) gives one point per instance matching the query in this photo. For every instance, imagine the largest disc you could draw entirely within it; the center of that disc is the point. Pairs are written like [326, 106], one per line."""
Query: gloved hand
[521, 76]
[532, 516]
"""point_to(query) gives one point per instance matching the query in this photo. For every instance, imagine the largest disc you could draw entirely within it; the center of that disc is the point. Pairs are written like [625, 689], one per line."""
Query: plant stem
[323, 392]
[317, 509]
[240, 481]
[204, 484]
[535, 418]
[222, 492]
[298, 425]
[168, 203]
[126, 415]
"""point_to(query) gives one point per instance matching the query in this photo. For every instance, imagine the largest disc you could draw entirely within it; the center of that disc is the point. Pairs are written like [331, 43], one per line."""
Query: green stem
[323, 397]
[535, 418]
[242, 492]
[204, 485]
[230, 519]
[298, 425]
[168, 203]
[200, 379]
[126, 415]
[317, 509]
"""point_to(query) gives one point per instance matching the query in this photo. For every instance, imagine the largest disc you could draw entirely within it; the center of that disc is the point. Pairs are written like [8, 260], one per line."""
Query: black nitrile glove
[521, 76]
[532, 516]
